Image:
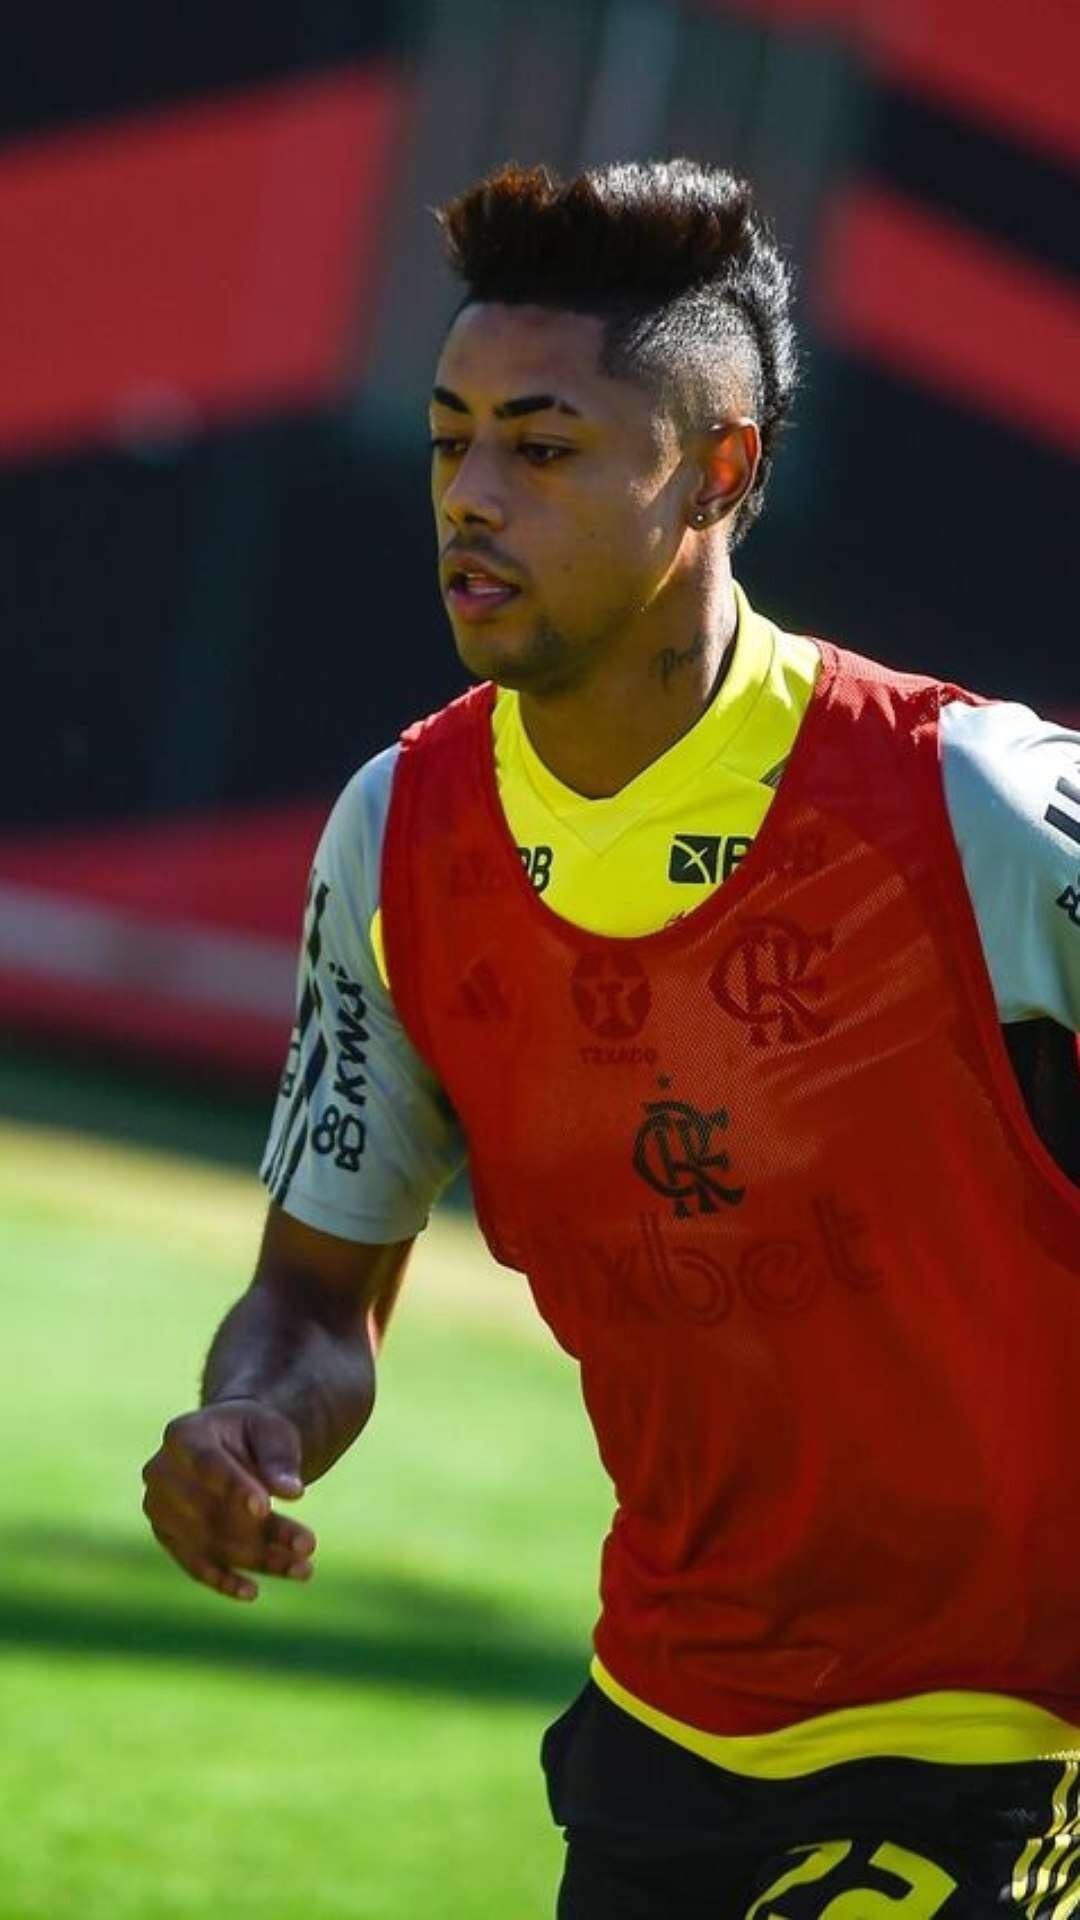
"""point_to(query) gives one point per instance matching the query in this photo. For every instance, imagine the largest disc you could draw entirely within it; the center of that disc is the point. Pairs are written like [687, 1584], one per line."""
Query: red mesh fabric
[773, 1186]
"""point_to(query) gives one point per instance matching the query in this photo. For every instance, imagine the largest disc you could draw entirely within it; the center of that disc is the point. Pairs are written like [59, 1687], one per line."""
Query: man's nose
[472, 496]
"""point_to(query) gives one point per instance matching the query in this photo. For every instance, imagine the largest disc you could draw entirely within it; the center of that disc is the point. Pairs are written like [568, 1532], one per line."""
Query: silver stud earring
[699, 520]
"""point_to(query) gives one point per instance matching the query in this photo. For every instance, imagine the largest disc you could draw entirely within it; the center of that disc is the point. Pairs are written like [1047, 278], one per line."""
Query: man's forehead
[496, 352]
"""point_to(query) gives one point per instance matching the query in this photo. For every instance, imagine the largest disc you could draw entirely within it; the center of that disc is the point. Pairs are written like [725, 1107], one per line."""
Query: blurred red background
[223, 296]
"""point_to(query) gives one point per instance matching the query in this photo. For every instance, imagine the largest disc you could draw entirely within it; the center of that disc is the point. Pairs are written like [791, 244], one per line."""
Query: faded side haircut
[673, 257]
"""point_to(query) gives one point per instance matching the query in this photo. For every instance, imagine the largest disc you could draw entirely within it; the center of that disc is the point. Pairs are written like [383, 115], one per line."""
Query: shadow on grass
[387, 1629]
[195, 1111]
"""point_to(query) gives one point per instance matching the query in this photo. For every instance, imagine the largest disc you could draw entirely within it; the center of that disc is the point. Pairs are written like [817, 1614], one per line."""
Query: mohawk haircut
[673, 257]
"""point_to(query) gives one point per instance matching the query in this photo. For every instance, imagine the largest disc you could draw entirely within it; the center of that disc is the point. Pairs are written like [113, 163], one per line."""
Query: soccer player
[746, 974]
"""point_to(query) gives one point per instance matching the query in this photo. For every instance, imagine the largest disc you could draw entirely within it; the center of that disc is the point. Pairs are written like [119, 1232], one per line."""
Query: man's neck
[598, 736]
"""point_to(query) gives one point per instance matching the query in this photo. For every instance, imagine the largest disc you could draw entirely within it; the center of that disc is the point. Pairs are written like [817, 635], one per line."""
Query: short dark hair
[674, 257]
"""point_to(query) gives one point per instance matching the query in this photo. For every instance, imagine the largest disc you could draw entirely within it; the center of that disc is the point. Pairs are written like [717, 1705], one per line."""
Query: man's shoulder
[1006, 769]
[451, 723]
[1001, 761]
[359, 815]
[1012, 788]
[350, 847]
[363, 801]
[1019, 774]
[872, 673]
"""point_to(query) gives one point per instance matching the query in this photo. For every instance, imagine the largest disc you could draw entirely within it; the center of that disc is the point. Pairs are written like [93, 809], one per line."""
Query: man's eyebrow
[510, 409]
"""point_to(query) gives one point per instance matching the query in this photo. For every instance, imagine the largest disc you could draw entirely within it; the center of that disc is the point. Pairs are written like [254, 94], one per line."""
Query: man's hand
[208, 1492]
[302, 1337]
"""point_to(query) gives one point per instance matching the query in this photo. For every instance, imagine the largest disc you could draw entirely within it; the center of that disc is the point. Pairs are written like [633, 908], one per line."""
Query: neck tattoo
[668, 662]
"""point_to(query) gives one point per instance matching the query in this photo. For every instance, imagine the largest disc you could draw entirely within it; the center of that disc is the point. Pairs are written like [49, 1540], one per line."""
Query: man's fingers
[269, 1559]
[200, 1567]
[299, 1541]
[235, 1451]
[223, 1475]
[275, 1448]
[229, 1560]
[262, 1555]
[235, 1586]
[175, 1496]
[208, 1497]
[275, 1546]
[195, 1446]
[192, 1505]
[184, 1508]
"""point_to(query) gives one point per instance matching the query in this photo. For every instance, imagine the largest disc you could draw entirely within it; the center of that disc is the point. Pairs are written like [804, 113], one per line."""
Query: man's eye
[540, 453]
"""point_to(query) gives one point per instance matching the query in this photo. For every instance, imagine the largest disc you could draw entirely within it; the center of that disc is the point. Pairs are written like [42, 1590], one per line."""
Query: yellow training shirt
[629, 864]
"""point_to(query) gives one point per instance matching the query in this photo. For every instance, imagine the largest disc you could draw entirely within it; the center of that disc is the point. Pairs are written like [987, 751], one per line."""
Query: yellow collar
[711, 738]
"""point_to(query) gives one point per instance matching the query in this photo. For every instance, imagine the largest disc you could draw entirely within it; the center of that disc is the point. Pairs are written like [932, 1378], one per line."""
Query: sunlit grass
[365, 1746]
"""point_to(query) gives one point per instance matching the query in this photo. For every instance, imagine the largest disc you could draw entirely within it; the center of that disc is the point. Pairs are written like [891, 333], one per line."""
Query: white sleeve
[1012, 788]
[362, 1139]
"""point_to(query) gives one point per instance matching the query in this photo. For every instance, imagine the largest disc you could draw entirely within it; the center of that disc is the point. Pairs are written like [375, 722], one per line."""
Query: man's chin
[525, 662]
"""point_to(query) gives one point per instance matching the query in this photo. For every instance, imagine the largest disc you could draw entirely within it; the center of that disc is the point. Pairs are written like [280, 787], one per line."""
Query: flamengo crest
[768, 975]
[672, 1155]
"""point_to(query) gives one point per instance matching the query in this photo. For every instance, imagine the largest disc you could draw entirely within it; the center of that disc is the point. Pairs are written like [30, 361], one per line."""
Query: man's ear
[730, 457]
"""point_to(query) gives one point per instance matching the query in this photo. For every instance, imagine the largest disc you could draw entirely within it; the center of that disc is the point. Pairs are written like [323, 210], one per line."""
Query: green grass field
[364, 1746]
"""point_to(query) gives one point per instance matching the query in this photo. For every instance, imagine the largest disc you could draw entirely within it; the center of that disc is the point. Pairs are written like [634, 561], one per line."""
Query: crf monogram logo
[611, 993]
[672, 1153]
[765, 980]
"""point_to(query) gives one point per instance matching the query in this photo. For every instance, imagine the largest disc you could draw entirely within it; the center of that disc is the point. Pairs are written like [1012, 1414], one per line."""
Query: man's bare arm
[289, 1384]
[302, 1339]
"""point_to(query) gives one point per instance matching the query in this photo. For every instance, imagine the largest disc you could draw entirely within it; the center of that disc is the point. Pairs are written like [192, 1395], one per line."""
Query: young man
[747, 974]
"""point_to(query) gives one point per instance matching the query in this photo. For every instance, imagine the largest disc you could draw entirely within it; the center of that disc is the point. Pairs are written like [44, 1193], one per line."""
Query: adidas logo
[1066, 818]
[480, 997]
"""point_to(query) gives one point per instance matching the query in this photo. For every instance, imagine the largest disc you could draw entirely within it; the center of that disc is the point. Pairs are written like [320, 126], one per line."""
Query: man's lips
[474, 589]
[473, 597]
[460, 563]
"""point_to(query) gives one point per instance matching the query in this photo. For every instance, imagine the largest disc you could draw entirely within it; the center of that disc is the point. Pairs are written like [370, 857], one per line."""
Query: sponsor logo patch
[1069, 902]
[351, 1039]
[618, 1056]
[695, 859]
[341, 1134]
[611, 993]
[654, 1271]
[537, 862]
[702, 859]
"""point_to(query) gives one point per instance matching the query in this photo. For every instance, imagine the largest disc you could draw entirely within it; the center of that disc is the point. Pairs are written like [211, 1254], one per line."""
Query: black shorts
[655, 1833]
